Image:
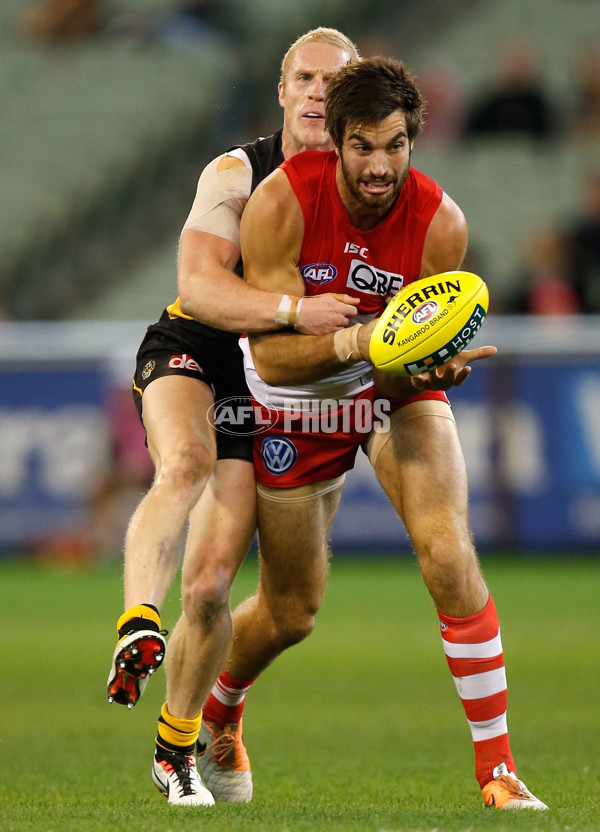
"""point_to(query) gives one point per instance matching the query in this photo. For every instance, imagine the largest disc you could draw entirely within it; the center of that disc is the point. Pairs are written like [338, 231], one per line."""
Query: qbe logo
[239, 416]
[373, 281]
[424, 312]
[279, 454]
[318, 273]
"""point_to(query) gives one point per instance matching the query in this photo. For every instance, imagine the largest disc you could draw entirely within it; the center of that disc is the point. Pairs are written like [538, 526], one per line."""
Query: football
[428, 322]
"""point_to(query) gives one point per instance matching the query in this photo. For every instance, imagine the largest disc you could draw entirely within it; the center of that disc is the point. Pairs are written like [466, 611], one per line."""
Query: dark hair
[366, 92]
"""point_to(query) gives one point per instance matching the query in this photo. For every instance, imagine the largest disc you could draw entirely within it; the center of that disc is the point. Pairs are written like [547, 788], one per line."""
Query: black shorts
[179, 347]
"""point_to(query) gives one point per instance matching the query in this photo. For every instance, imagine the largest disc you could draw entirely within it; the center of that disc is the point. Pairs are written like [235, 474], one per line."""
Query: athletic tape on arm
[216, 208]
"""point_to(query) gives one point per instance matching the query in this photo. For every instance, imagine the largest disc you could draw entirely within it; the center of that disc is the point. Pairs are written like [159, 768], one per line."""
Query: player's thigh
[175, 411]
[422, 470]
[292, 536]
[222, 523]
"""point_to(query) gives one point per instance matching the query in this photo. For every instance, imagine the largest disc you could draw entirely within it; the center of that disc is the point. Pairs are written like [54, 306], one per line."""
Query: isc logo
[354, 248]
[318, 273]
[424, 312]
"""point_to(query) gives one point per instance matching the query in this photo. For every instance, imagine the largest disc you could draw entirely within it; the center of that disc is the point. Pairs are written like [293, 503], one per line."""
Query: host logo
[185, 362]
[374, 281]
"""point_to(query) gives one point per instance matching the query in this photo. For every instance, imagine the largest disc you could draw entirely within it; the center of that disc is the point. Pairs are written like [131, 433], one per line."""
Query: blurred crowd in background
[113, 107]
[554, 260]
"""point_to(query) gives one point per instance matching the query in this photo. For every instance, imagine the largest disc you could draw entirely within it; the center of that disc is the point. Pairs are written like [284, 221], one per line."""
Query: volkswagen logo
[279, 454]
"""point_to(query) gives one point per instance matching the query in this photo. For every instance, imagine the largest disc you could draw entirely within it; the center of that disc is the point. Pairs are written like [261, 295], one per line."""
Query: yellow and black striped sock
[176, 734]
[139, 617]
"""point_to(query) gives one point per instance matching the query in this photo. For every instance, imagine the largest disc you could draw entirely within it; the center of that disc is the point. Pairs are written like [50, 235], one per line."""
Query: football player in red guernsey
[360, 219]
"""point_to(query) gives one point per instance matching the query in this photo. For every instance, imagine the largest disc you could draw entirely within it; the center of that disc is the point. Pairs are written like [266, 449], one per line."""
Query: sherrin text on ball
[428, 322]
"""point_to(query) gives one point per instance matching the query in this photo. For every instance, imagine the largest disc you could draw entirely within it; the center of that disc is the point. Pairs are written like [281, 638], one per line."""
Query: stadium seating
[94, 130]
[506, 188]
[86, 127]
[510, 187]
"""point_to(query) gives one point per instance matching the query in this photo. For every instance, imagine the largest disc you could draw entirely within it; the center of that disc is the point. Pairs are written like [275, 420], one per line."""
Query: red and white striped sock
[473, 649]
[225, 702]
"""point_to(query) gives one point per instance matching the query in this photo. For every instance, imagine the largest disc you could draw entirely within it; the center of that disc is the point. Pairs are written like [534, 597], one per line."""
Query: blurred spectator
[585, 115]
[372, 44]
[60, 21]
[476, 260]
[443, 89]
[189, 22]
[118, 488]
[181, 25]
[64, 20]
[544, 284]
[518, 104]
[128, 476]
[583, 241]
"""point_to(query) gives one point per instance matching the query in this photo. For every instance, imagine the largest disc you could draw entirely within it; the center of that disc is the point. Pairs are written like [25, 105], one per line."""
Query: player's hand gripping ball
[428, 322]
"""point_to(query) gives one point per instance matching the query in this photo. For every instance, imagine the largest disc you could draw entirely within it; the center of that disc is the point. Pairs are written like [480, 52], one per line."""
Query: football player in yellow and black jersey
[192, 397]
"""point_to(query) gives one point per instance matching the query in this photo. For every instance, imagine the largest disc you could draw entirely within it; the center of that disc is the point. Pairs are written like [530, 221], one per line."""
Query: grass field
[358, 728]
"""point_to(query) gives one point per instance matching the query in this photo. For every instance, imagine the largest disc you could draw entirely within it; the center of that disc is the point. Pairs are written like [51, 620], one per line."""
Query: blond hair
[320, 35]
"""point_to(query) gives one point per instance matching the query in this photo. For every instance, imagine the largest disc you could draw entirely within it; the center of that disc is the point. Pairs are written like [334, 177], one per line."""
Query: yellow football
[428, 322]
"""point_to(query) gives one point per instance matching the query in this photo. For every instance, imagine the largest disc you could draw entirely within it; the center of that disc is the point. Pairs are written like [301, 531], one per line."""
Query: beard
[381, 202]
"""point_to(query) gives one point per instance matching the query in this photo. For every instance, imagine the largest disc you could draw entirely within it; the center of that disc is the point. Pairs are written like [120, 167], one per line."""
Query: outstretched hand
[453, 373]
[321, 314]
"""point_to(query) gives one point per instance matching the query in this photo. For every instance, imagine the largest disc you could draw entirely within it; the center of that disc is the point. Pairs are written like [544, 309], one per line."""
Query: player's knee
[449, 568]
[294, 626]
[186, 470]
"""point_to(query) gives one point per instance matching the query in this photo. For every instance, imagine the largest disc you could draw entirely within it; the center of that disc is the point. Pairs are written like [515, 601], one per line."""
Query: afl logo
[238, 416]
[319, 273]
[279, 454]
[424, 312]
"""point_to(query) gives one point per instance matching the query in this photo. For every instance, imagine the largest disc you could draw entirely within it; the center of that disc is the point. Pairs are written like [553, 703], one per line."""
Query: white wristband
[282, 316]
[299, 305]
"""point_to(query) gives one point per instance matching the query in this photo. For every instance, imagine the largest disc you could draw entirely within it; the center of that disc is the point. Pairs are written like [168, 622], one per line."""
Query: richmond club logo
[279, 454]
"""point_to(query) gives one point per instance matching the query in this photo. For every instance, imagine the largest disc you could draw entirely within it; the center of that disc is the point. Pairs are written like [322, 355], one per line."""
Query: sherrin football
[428, 322]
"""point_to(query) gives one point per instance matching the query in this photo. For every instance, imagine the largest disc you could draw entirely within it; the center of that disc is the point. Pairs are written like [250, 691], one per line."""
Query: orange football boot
[506, 791]
[223, 762]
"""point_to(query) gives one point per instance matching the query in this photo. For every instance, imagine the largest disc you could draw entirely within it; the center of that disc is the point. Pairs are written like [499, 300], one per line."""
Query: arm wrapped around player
[316, 315]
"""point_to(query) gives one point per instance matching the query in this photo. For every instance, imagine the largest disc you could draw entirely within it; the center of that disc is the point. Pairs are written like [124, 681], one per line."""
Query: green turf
[359, 728]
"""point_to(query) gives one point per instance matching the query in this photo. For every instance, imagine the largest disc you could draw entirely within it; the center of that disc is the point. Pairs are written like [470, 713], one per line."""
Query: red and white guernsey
[338, 257]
